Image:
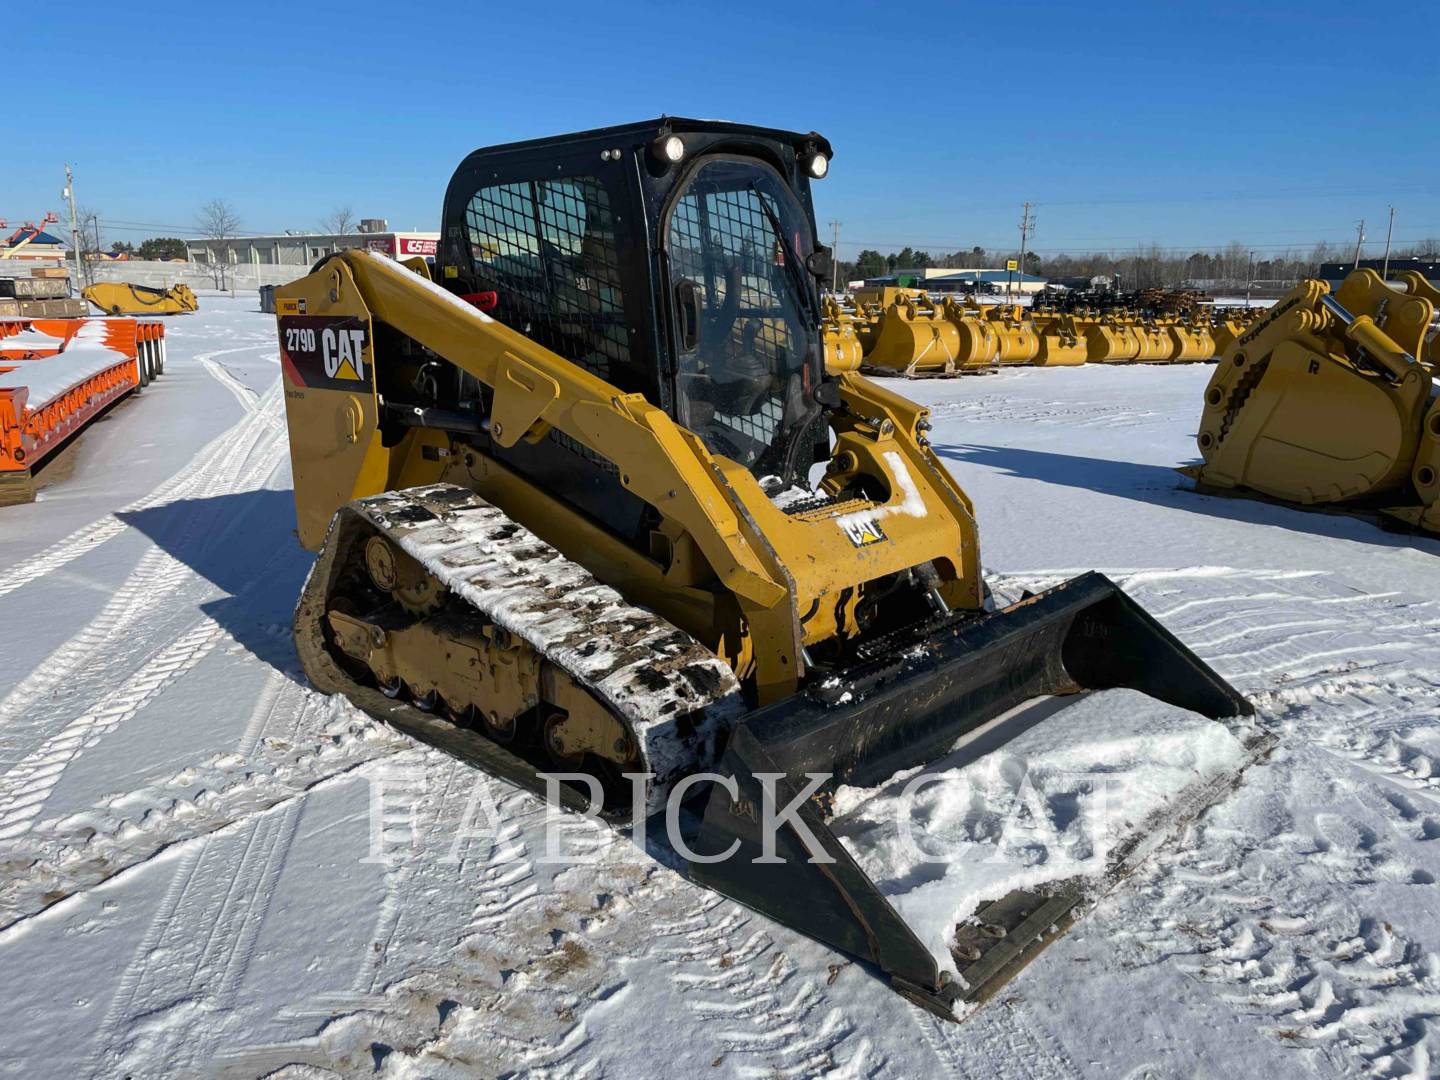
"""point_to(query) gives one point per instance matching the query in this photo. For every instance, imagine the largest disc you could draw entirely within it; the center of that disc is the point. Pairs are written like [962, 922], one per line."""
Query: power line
[1027, 223]
[117, 225]
[1237, 196]
[1098, 247]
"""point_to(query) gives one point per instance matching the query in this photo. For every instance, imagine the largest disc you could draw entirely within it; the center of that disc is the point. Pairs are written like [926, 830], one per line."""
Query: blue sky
[1186, 124]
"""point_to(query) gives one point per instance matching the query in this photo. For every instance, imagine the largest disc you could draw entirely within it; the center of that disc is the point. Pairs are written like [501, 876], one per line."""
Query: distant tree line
[1142, 268]
[157, 247]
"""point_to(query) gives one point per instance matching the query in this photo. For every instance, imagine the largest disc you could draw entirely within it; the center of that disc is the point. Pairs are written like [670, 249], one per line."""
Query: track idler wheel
[394, 572]
[552, 735]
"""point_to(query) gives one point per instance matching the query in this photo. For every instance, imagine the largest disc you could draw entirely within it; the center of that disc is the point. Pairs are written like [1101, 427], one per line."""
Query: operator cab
[711, 309]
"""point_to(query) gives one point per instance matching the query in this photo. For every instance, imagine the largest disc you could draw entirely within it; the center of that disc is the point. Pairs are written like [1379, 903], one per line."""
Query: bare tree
[90, 230]
[218, 220]
[339, 222]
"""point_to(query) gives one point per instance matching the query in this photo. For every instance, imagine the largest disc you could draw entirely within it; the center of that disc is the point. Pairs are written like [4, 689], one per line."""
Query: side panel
[327, 362]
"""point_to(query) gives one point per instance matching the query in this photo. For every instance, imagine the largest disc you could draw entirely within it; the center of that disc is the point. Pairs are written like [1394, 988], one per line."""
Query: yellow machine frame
[795, 577]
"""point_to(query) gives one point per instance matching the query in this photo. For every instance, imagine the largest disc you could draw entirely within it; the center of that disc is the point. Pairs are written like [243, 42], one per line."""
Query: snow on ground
[205, 869]
[1240, 301]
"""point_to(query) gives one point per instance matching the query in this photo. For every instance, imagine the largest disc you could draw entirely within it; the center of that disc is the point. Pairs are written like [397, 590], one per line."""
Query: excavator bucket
[979, 342]
[1324, 402]
[1062, 343]
[912, 336]
[1110, 339]
[1191, 342]
[1417, 284]
[1156, 347]
[120, 298]
[1018, 342]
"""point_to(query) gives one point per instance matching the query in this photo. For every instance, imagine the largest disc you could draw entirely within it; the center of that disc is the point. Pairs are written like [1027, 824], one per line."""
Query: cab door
[741, 309]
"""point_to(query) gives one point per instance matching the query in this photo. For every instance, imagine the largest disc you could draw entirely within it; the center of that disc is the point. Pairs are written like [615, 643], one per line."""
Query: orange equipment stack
[56, 375]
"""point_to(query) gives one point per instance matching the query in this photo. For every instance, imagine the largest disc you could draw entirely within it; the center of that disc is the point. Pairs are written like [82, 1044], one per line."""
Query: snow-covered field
[205, 869]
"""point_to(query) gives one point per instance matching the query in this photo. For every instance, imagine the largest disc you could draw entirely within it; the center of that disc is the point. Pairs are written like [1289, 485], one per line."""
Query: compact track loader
[1324, 401]
[563, 503]
[121, 298]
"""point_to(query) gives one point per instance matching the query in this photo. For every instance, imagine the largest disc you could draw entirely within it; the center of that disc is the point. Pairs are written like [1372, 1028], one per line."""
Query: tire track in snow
[151, 586]
[1007, 410]
[196, 951]
[245, 461]
[198, 947]
[1014, 1045]
[1399, 761]
[770, 1019]
[60, 857]
[426, 995]
[1290, 948]
[1290, 900]
[25, 788]
[245, 395]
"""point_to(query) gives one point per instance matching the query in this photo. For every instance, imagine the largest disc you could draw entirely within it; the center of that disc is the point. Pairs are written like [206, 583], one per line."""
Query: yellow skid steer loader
[561, 487]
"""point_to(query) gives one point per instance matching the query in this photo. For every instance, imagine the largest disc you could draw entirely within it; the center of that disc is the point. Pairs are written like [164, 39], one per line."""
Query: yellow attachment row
[907, 332]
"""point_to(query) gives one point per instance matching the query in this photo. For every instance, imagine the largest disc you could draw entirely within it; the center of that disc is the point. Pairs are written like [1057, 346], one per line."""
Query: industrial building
[304, 249]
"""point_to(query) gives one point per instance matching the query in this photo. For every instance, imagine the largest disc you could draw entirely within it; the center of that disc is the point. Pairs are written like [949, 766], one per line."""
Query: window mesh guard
[548, 250]
[724, 238]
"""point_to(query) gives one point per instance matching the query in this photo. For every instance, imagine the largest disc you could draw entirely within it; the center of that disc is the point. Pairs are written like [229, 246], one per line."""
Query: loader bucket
[1083, 635]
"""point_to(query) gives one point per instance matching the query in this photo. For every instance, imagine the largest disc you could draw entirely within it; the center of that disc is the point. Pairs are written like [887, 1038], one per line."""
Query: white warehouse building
[302, 250]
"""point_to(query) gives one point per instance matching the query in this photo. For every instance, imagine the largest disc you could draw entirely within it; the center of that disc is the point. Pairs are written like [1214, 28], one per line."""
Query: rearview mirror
[827, 393]
[821, 263]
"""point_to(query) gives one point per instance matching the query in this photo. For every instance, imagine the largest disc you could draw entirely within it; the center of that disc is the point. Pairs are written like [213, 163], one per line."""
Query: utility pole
[1389, 232]
[1359, 241]
[834, 256]
[1027, 224]
[69, 193]
[1249, 278]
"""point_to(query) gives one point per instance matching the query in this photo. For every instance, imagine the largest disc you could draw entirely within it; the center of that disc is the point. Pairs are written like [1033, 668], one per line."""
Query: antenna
[834, 255]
